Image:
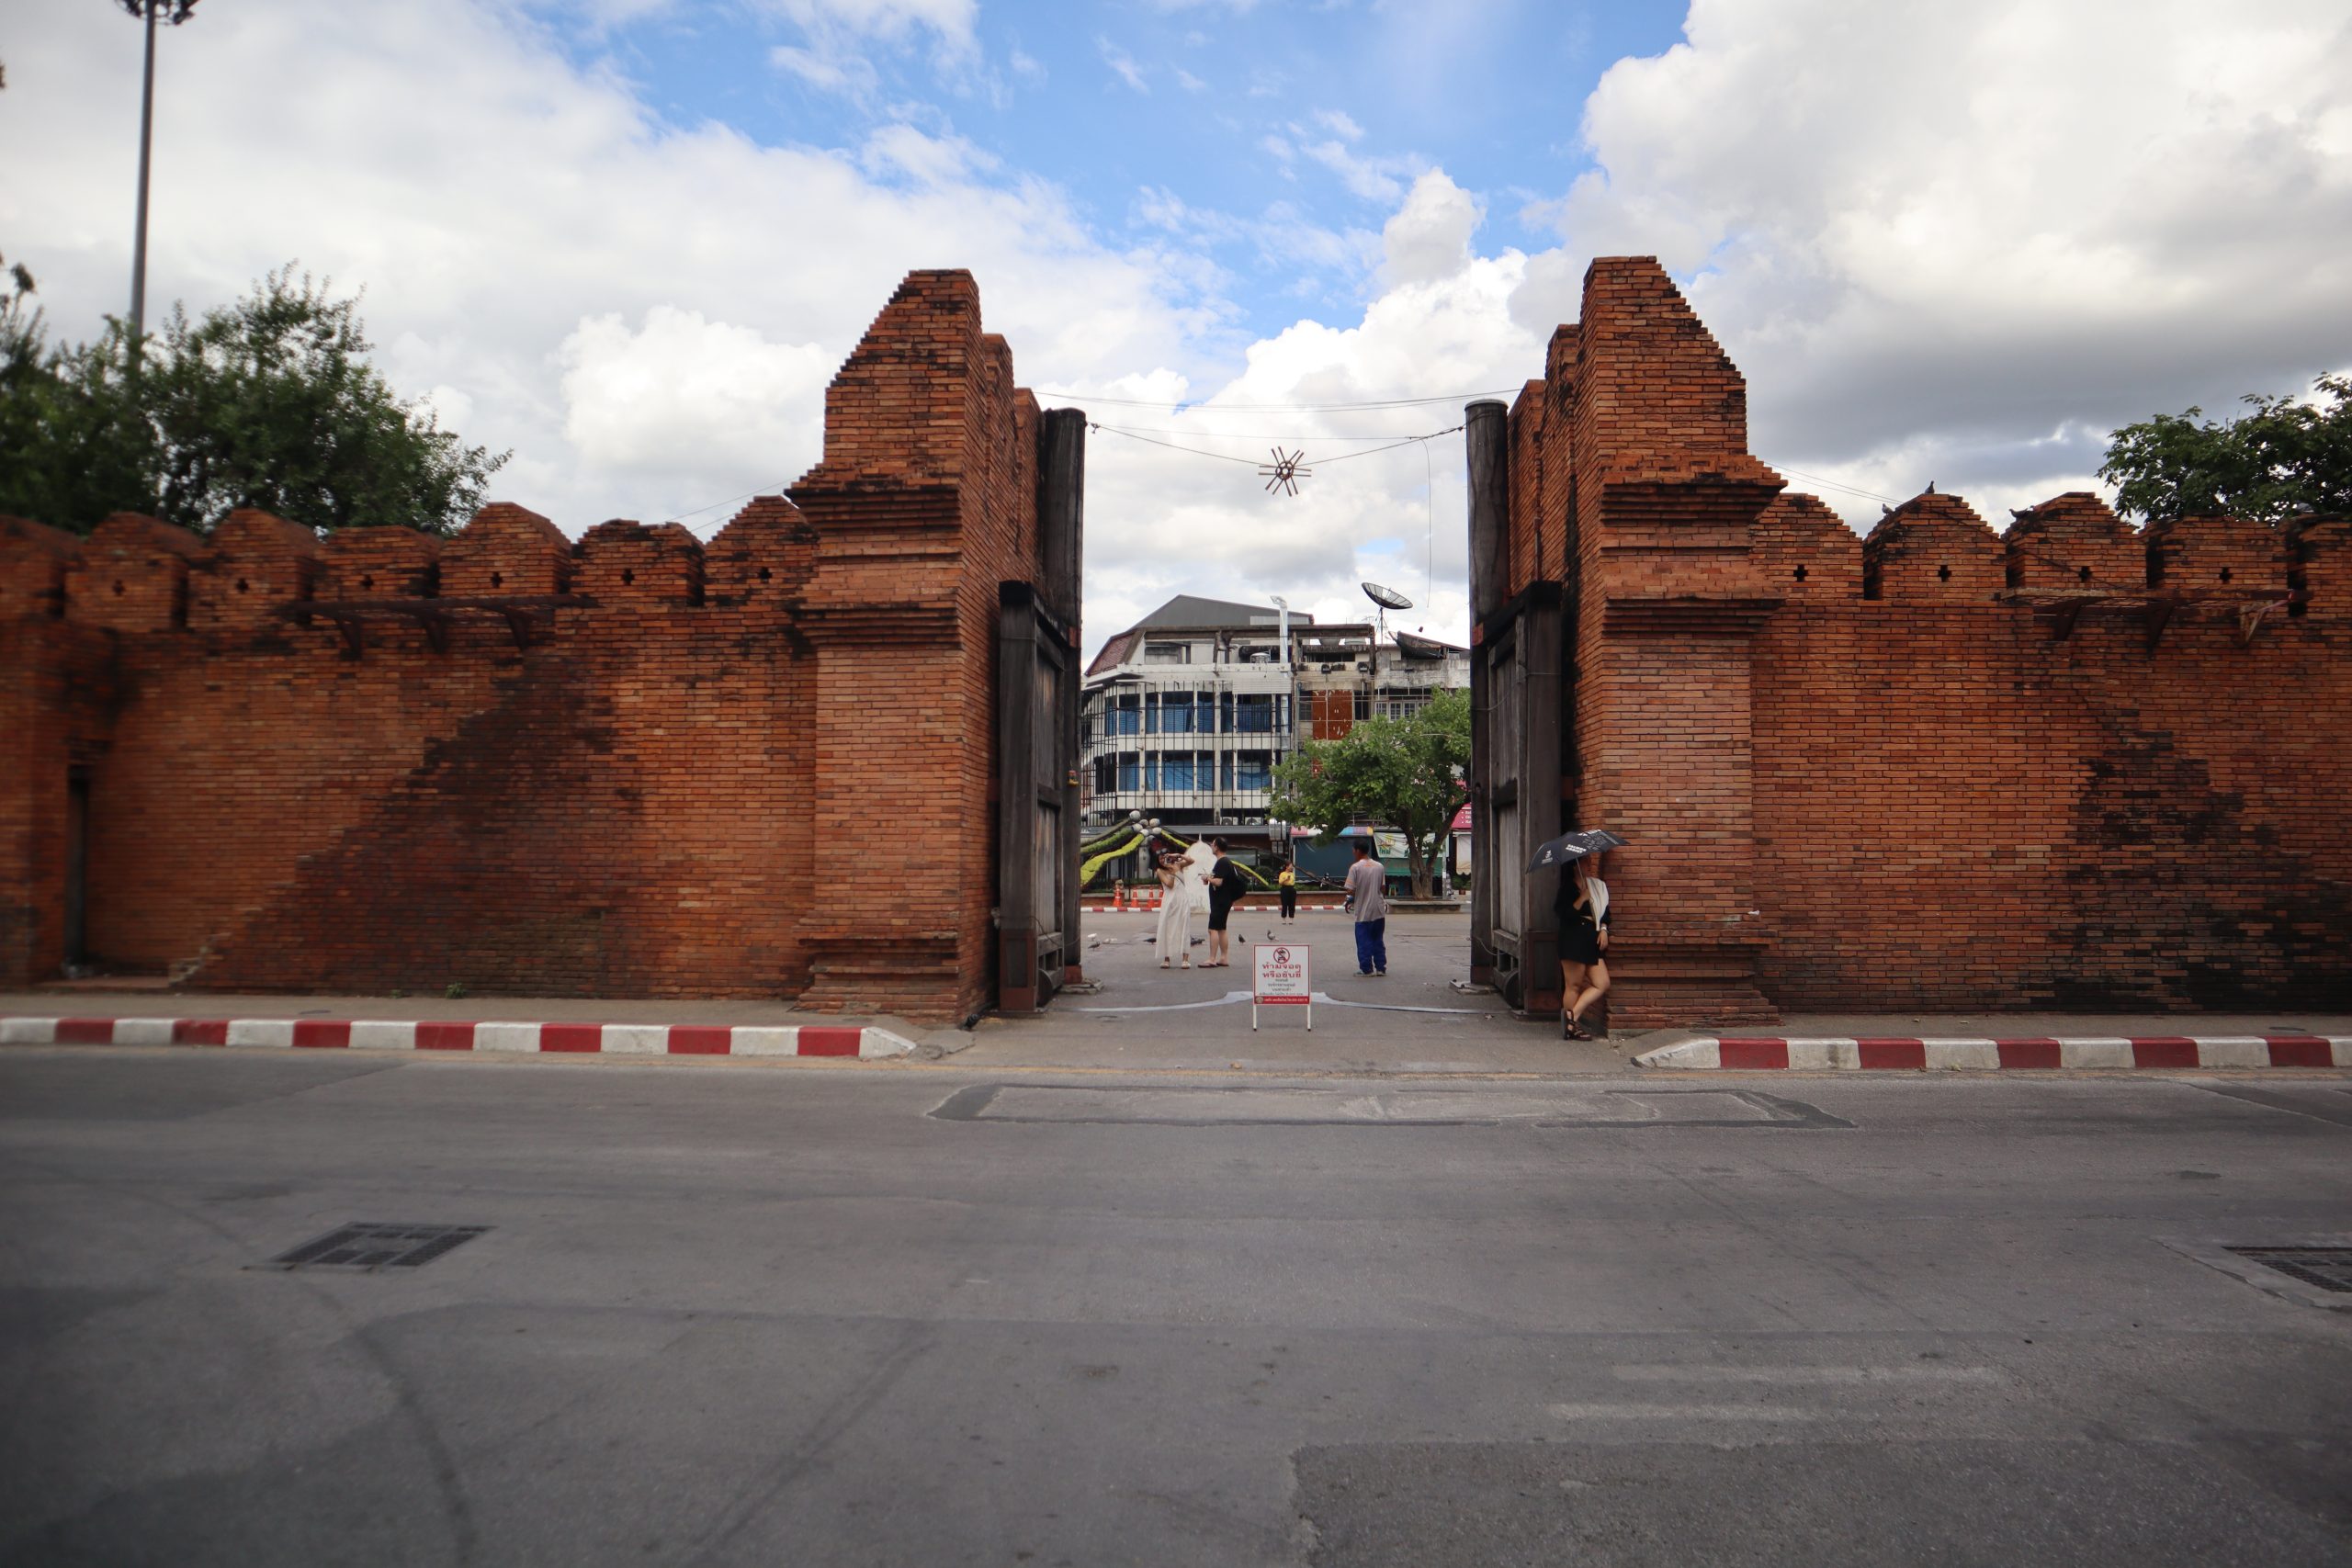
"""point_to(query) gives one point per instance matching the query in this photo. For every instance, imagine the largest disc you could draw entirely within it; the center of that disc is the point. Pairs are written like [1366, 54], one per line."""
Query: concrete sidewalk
[1132, 1015]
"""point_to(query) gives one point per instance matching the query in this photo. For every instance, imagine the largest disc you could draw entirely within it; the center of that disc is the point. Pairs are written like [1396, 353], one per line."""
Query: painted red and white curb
[485, 1038]
[1751, 1053]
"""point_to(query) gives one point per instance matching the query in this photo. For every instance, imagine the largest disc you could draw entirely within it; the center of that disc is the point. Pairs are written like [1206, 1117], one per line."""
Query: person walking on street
[1368, 897]
[1288, 881]
[1175, 938]
[1225, 887]
[1581, 906]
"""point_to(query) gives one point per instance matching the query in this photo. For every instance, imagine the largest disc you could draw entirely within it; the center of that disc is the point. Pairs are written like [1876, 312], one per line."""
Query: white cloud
[1429, 236]
[838, 37]
[1338, 123]
[1944, 242]
[499, 204]
[1941, 232]
[1122, 66]
[680, 396]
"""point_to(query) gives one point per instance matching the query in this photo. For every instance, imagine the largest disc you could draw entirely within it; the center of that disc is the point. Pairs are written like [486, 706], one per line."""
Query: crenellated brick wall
[2067, 764]
[639, 765]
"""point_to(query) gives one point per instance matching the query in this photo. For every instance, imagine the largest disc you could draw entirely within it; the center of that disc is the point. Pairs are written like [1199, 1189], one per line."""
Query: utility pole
[147, 11]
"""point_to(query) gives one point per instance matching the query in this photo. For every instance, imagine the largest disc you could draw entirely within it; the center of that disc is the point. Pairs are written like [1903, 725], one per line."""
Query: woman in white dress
[1175, 938]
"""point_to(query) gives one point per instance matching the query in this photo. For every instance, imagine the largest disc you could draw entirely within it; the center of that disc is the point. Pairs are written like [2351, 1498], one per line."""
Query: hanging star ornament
[1284, 472]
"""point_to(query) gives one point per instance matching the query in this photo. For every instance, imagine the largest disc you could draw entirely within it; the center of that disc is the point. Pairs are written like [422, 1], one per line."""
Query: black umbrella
[1574, 846]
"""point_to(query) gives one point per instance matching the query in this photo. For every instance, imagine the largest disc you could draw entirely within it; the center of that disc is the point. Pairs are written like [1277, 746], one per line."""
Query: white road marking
[1588, 1410]
[1929, 1372]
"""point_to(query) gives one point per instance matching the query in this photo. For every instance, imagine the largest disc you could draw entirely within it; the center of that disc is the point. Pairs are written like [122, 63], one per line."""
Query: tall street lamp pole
[148, 11]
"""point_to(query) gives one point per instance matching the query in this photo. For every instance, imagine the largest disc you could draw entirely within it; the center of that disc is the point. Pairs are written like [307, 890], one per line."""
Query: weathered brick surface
[130, 575]
[379, 563]
[1934, 550]
[252, 563]
[758, 767]
[33, 560]
[1900, 771]
[2073, 544]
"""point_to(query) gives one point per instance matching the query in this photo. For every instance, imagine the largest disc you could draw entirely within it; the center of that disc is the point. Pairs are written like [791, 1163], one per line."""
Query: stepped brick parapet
[2071, 765]
[641, 764]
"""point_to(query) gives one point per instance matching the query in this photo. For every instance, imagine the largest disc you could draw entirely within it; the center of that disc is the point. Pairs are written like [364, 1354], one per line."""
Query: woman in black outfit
[1581, 906]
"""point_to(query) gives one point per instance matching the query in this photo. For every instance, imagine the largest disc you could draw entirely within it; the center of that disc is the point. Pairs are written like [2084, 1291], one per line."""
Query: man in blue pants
[1367, 896]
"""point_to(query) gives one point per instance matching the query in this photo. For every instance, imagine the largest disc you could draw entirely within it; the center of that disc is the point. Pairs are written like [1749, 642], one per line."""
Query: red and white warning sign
[1282, 980]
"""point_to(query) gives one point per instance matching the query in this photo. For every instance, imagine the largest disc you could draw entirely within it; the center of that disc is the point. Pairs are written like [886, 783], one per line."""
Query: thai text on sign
[1281, 975]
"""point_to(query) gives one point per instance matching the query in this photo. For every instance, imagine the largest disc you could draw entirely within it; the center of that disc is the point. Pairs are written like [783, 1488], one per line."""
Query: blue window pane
[1176, 770]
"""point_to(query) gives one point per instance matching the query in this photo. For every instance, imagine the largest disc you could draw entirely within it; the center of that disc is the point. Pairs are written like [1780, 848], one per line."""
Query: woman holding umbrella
[1581, 906]
[1581, 909]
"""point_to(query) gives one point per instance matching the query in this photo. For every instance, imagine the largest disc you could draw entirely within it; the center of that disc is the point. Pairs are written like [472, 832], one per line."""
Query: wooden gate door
[1036, 743]
[1521, 686]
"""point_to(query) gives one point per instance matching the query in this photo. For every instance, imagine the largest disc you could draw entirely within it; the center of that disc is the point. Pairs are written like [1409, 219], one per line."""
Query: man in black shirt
[1225, 887]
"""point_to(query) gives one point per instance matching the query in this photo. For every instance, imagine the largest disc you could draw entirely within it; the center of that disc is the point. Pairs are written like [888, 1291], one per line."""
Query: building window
[1176, 714]
[1129, 717]
[1166, 653]
[1102, 773]
[1364, 706]
[1176, 770]
[1254, 770]
[1228, 769]
[1130, 770]
[1253, 714]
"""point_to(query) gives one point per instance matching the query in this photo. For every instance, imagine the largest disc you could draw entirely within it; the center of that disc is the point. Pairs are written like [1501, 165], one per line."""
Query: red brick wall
[1957, 807]
[755, 768]
[1864, 773]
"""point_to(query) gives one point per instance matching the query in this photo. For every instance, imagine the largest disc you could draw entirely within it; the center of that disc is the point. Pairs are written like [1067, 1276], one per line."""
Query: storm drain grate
[371, 1244]
[2329, 1267]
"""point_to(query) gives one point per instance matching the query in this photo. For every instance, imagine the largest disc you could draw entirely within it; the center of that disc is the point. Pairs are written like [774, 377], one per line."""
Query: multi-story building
[1188, 712]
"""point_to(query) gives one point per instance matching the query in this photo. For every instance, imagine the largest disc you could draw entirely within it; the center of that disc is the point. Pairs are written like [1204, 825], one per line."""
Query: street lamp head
[171, 11]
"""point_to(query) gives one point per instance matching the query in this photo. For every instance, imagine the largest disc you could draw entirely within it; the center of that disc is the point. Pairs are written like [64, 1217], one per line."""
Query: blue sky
[1279, 132]
[1273, 140]
[631, 240]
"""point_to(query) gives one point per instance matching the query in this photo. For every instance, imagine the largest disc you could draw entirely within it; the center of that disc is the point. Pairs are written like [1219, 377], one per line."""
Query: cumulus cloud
[1955, 241]
[1947, 243]
[516, 217]
[1429, 236]
[688, 399]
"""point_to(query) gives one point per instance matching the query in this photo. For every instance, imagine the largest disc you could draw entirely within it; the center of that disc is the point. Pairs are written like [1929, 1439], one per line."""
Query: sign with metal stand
[1282, 980]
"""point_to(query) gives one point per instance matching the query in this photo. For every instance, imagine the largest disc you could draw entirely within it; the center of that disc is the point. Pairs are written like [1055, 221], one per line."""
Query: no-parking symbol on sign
[1282, 980]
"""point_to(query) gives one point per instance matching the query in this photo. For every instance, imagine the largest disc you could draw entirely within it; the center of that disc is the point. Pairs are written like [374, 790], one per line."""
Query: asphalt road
[781, 1315]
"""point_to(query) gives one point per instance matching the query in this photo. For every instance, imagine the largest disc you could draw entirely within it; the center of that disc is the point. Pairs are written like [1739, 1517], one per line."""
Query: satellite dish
[1387, 599]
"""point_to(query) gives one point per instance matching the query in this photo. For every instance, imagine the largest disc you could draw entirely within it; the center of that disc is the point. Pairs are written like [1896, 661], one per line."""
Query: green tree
[268, 403]
[2285, 459]
[1404, 774]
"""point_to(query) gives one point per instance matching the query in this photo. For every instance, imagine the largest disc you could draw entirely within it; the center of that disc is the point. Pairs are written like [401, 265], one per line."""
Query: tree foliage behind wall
[268, 403]
[2284, 459]
[1404, 774]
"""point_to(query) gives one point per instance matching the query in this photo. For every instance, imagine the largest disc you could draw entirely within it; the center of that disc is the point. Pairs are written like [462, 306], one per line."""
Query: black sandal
[1576, 1028]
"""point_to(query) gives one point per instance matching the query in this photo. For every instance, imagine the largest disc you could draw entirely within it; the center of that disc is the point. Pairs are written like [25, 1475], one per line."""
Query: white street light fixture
[175, 12]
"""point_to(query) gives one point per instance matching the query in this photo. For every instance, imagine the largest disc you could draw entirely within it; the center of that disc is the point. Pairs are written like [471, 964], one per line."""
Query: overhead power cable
[1253, 462]
[1175, 403]
[1833, 484]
